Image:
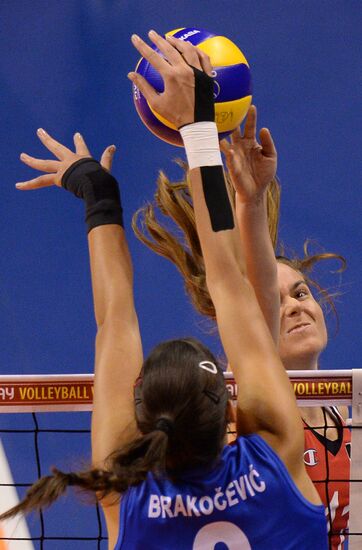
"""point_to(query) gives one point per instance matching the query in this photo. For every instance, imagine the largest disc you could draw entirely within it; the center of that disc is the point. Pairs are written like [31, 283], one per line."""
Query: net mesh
[41, 444]
[38, 439]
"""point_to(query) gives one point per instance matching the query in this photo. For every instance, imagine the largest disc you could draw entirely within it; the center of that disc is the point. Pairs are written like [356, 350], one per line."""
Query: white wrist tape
[201, 143]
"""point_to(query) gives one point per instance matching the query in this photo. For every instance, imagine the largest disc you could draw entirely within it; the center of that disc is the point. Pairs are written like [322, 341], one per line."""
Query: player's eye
[301, 293]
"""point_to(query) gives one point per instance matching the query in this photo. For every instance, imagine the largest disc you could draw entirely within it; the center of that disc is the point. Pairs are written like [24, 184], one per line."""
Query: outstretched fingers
[37, 183]
[107, 157]
[230, 157]
[56, 168]
[187, 51]
[39, 164]
[250, 124]
[236, 136]
[171, 53]
[267, 143]
[58, 150]
[145, 87]
[80, 145]
[191, 54]
[156, 60]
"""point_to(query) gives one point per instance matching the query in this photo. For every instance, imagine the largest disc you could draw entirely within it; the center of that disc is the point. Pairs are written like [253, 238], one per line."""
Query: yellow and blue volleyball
[232, 85]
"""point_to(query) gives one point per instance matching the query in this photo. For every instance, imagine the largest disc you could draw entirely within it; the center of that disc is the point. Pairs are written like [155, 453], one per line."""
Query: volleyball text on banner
[31, 393]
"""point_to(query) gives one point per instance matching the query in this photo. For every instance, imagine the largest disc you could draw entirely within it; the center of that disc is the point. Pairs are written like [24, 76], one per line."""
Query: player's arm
[118, 357]
[266, 403]
[118, 346]
[252, 167]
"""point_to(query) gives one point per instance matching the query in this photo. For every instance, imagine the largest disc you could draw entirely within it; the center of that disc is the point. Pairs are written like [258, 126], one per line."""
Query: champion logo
[310, 457]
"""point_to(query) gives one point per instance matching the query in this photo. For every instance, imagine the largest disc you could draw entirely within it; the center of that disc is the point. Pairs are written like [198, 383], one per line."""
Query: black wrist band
[87, 180]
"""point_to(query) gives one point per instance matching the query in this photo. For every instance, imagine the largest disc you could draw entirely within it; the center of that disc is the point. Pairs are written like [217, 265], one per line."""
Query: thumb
[107, 157]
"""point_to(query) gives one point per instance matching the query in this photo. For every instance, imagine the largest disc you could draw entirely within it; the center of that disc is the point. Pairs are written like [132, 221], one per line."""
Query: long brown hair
[181, 244]
[181, 412]
[179, 241]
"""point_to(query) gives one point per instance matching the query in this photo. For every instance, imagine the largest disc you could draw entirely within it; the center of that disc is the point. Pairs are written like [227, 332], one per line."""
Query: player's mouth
[300, 327]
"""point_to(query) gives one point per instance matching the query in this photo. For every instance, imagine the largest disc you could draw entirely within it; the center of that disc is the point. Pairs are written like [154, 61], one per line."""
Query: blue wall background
[63, 67]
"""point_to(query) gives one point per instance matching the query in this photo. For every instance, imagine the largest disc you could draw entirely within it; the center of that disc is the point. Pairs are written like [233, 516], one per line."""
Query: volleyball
[232, 85]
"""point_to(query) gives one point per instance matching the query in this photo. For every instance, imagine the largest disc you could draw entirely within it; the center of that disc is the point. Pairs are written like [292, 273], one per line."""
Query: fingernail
[112, 148]
[152, 33]
[135, 38]
[41, 132]
[19, 184]
[77, 135]
[23, 155]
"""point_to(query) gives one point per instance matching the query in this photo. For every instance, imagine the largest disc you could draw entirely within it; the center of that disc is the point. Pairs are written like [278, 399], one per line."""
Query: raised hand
[177, 102]
[56, 168]
[251, 165]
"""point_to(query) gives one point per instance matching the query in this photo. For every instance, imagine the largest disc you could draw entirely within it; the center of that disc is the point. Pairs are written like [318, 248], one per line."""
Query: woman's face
[303, 333]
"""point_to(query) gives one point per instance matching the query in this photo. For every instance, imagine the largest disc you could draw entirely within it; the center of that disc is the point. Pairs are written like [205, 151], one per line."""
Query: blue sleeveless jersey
[248, 501]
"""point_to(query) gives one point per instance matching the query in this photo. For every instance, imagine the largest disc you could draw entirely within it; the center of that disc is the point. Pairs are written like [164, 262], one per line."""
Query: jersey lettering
[238, 490]
[229, 507]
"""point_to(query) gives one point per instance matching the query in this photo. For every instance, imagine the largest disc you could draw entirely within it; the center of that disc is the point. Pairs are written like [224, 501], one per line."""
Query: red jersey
[328, 465]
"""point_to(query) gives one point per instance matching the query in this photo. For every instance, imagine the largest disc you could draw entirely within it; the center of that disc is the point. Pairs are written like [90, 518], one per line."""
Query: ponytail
[181, 414]
[124, 468]
[42, 493]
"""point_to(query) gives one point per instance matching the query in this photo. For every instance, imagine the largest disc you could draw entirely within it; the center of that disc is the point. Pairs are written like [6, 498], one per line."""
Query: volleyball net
[53, 429]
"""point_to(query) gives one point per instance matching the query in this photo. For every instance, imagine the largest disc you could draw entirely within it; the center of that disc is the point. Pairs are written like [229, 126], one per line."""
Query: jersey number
[221, 532]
